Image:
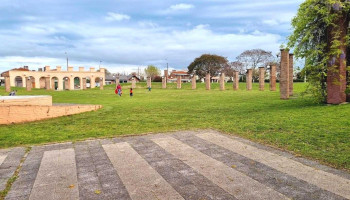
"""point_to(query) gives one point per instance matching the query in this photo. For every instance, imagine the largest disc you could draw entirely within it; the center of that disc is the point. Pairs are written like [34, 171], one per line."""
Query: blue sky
[126, 34]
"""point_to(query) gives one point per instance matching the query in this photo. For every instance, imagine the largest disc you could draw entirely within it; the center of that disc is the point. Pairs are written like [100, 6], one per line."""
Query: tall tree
[152, 71]
[252, 59]
[233, 66]
[207, 63]
[321, 36]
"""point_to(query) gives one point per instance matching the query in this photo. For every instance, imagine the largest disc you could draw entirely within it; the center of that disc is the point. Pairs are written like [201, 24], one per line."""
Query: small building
[128, 78]
[185, 77]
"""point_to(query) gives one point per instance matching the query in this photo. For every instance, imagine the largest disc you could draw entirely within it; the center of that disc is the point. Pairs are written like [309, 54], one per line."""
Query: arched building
[55, 79]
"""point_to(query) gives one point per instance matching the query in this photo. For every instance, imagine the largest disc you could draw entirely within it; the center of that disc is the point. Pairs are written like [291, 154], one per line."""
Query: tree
[233, 66]
[152, 71]
[207, 63]
[321, 37]
[107, 73]
[255, 58]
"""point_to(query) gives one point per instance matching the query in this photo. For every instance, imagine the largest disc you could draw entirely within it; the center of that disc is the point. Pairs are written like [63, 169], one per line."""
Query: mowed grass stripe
[239, 185]
[322, 179]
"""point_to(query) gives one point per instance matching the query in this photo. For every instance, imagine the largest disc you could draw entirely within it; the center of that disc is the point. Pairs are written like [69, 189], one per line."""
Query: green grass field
[316, 131]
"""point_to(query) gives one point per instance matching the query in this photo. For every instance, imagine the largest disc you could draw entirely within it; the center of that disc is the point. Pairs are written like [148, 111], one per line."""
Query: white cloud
[270, 22]
[181, 6]
[111, 16]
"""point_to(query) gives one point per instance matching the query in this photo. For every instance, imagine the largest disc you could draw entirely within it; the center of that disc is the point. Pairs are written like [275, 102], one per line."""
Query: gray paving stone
[281, 182]
[10, 164]
[171, 169]
[96, 173]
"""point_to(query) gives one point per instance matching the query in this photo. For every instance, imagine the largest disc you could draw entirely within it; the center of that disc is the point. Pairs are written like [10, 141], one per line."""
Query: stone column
[207, 81]
[101, 83]
[47, 83]
[284, 75]
[178, 82]
[291, 74]
[235, 80]
[7, 84]
[71, 83]
[84, 83]
[117, 81]
[133, 83]
[92, 82]
[29, 84]
[222, 81]
[273, 78]
[249, 79]
[166, 75]
[194, 83]
[336, 69]
[164, 82]
[24, 82]
[261, 78]
[149, 82]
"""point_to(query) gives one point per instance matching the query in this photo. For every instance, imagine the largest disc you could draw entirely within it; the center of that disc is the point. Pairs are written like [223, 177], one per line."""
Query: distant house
[216, 79]
[128, 78]
[110, 79]
[185, 77]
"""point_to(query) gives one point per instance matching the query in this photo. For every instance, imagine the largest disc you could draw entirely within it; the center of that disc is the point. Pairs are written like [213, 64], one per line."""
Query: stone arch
[66, 83]
[42, 82]
[77, 83]
[18, 81]
[54, 83]
[97, 81]
[32, 79]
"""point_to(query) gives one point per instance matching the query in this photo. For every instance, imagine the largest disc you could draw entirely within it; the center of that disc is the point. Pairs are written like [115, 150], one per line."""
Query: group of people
[13, 93]
[119, 91]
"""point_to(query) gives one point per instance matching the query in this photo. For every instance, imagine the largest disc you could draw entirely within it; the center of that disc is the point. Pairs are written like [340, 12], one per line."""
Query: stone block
[222, 81]
[261, 78]
[284, 74]
[194, 83]
[273, 78]
[235, 80]
[249, 79]
[207, 81]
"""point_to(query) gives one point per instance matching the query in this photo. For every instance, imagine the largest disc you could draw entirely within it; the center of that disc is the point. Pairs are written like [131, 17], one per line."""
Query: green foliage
[312, 40]
[207, 63]
[152, 71]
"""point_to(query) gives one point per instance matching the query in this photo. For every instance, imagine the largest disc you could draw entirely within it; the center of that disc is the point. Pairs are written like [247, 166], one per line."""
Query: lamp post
[67, 59]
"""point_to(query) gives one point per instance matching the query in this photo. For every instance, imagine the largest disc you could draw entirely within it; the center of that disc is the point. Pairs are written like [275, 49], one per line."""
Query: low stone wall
[43, 100]
[27, 113]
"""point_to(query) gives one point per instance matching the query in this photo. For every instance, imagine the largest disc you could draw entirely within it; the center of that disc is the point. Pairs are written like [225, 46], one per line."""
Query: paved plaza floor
[199, 165]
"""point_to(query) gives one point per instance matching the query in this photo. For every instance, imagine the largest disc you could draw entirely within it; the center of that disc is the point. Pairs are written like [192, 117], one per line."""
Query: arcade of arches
[55, 79]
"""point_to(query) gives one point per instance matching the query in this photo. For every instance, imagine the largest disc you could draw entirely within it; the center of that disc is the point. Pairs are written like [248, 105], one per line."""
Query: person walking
[131, 92]
[119, 90]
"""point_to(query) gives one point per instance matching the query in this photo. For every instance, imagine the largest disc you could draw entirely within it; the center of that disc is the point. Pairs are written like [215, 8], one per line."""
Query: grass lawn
[316, 131]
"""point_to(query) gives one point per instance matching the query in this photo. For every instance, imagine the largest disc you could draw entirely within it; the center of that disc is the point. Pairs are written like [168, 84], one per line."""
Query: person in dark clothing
[131, 92]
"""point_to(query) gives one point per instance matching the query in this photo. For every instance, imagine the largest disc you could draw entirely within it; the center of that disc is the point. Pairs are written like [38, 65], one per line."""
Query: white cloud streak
[111, 16]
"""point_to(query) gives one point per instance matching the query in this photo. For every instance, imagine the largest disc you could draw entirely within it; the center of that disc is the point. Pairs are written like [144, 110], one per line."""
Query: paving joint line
[14, 177]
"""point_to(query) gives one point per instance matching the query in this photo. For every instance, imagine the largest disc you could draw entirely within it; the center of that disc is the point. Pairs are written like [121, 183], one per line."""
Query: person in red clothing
[119, 90]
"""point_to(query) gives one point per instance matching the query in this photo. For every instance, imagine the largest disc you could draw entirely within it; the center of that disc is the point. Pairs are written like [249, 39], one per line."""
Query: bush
[157, 79]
